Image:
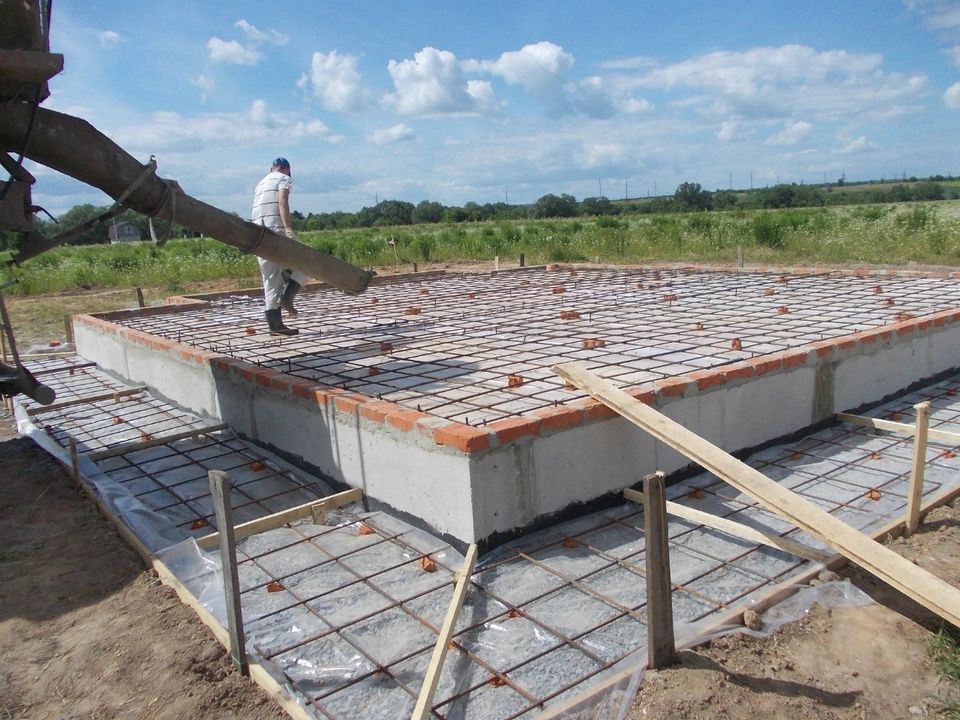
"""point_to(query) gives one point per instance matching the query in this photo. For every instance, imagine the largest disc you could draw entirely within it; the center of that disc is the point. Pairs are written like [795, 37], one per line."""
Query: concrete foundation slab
[434, 394]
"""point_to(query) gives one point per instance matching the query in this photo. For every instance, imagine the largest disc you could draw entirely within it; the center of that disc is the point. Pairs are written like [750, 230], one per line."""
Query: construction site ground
[86, 632]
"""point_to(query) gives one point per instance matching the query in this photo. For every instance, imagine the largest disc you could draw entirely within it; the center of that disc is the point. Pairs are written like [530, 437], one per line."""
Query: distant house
[124, 232]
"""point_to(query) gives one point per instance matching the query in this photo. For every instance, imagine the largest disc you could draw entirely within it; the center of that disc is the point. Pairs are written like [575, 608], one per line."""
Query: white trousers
[272, 274]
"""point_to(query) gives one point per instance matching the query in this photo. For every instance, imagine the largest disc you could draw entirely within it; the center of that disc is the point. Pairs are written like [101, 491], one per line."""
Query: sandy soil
[85, 631]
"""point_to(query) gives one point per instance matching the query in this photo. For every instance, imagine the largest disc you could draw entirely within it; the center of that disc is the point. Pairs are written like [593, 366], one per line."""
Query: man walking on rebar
[271, 208]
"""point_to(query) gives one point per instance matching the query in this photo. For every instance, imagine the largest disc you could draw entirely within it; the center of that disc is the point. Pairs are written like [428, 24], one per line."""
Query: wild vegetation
[693, 225]
[891, 234]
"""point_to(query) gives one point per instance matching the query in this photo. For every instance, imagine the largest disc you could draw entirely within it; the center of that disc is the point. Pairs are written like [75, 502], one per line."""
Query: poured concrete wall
[481, 483]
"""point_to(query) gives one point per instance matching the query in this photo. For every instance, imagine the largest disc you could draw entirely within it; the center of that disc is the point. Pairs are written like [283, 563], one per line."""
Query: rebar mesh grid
[349, 610]
[476, 348]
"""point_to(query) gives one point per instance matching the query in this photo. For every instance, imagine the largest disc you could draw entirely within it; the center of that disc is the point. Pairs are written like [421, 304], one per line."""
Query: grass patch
[945, 654]
[895, 234]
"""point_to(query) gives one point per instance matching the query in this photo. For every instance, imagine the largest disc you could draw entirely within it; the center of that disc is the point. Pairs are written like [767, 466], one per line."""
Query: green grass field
[892, 234]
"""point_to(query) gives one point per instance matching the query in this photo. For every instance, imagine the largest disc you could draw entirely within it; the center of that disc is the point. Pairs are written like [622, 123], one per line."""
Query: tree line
[688, 197]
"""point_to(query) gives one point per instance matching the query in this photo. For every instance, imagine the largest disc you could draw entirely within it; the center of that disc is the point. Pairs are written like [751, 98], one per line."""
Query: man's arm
[283, 204]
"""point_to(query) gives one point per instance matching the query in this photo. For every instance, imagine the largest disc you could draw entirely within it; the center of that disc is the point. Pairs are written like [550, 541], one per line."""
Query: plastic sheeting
[617, 699]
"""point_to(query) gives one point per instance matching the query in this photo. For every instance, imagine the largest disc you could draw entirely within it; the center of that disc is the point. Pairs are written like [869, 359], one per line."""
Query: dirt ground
[85, 631]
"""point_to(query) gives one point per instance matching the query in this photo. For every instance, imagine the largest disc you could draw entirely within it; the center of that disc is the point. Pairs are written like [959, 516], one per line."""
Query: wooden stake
[915, 494]
[661, 649]
[140, 300]
[496, 262]
[523, 260]
[220, 489]
[731, 527]
[429, 687]
[739, 256]
[930, 591]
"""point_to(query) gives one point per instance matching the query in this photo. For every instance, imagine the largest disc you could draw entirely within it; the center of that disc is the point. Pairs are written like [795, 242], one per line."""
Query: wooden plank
[220, 492]
[915, 493]
[429, 687]
[898, 572]
[731, 527]
[154, 441]
[84, 400]
[278, 519]
[945, 436]
[734, 615]
[661, 648]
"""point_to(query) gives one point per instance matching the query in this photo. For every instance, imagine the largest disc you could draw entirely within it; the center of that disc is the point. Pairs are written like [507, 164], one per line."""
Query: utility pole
[730, 181]
[626, 193]
[751, 179]
[599, 188]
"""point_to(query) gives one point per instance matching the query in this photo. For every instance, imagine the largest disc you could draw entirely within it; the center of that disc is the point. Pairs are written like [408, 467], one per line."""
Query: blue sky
[495, 100]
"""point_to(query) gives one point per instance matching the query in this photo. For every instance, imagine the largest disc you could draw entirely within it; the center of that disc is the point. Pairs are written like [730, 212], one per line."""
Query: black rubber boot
[276, 324]
[290, 290]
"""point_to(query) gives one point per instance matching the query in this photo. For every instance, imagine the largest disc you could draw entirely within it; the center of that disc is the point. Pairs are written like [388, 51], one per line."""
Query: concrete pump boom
[76, 148]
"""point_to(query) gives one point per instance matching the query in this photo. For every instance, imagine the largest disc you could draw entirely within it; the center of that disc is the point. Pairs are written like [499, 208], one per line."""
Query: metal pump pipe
[74, 147]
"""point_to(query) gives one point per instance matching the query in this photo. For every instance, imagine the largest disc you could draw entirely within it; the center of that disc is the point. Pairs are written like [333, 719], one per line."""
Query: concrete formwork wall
[476, 483]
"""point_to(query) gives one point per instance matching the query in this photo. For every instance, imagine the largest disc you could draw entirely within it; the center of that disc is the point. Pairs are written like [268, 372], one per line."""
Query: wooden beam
[661, 647]
[915, 493]
[154, 441]
[731, 527]
[278, 519]
[84, 400]
[429, 687]
[220, 492]
[945, 436]
[734, 615]
[898, 572]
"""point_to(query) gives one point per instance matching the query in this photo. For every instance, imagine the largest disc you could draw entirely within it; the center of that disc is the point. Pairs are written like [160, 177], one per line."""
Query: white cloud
[231, 52]
[791, 80]
[259, 37]
[856, 145]
[954, 54]
[259, 125]
[951, 98]
[939, 15]
[109, 38]
[391, 135]
[203, 84]
[336, 82]
[792, 133]
[729, 130]
[433, 83]
[631, 104]
[540, 68]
